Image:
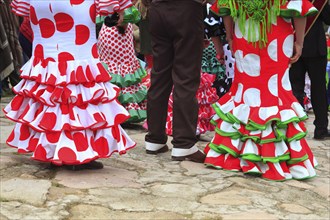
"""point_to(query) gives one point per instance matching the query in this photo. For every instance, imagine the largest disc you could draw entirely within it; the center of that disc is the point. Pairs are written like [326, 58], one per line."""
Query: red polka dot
[39, 51]
[48, 121]
[76, 2]
[33, 16]
[80, 141]
[120, 118]
[62, 67]
[51, 80]
[47, 28]
[98, 117]
[63, 22]
[11, 137]
[115, 133]
[68, 134]
[83, 106]
[40, 153]
[72, 76]
[33, 144]
[53, 137]
[65, 154]
[16, 103]
[65, 56]
[94, 51]
[64, 109]
[92, 12]
[101, 146]
[24, 133]
[124, 140]
[80, 75]
[89, 74]
[104, 75]
[82, 34]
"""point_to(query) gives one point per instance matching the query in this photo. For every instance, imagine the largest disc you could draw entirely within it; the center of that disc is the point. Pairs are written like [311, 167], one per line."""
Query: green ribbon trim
[137, 97]
[298, 136]
[222, 149]
[128, 79]
[137, 115]
[297, 160]
[284, 157]
[251, 157]
[291, 13]
[233, 135]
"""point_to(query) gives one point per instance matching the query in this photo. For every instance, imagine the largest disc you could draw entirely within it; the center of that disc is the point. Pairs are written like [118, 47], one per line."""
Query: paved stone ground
[140, 186]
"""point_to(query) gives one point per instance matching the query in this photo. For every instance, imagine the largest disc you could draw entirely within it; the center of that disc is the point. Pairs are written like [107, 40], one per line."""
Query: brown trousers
[176, 29]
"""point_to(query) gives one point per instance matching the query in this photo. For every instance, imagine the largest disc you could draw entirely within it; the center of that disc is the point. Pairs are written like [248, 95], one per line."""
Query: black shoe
[322, 136]
[161, 150]
[93, 165]
[198, 157]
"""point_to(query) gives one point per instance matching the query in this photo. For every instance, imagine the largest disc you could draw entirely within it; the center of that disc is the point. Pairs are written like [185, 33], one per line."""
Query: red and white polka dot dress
[117, 51]
[65, 108]
[206, 96]
[260, 125]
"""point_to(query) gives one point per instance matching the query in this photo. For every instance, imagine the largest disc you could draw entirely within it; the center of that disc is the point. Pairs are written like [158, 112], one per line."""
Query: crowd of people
[180, 68]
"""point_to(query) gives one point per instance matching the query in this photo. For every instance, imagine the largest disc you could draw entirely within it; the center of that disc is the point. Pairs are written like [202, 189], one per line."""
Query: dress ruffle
[67, 112]
[126, 70]
[206, 95]
[127, 75]
[269, 141]
[70, 147]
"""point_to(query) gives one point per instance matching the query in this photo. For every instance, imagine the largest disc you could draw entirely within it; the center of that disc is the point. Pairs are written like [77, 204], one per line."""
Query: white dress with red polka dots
[65, 108]
[260, 126]
[117, 52]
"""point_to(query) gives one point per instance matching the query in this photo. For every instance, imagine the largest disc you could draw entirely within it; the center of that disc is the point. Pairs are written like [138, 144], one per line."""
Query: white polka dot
[288, 46]
[236, 143]
[286, 80]
[227, 127]
[295, 145]
[238, 32]
[251, 64]
[287, 114]
[272, 50]
[280, 148]
[239, 92]
[272, 85]
[251, 97]
[266, 112]
[298, 172]
[267, 131]
[242, 113]
[296, 125]
[239, 60]
[255, 27]
[295, 5]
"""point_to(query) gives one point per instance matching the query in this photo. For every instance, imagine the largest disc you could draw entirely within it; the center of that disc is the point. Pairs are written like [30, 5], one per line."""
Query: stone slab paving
[140, 186]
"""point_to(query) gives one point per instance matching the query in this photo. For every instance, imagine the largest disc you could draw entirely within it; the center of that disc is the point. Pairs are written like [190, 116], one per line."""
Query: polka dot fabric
[206, 95]
[117, 52]
[259, 122]
[65, 107]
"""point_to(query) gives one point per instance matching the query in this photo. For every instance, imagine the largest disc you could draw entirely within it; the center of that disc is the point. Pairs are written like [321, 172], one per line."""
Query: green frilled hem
[137, 97]
[136, 116]
[253, 126]
[128, 79]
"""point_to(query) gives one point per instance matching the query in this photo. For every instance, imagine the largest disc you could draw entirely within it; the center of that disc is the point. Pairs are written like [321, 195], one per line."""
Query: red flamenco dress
[259, 122]
[65, 108]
